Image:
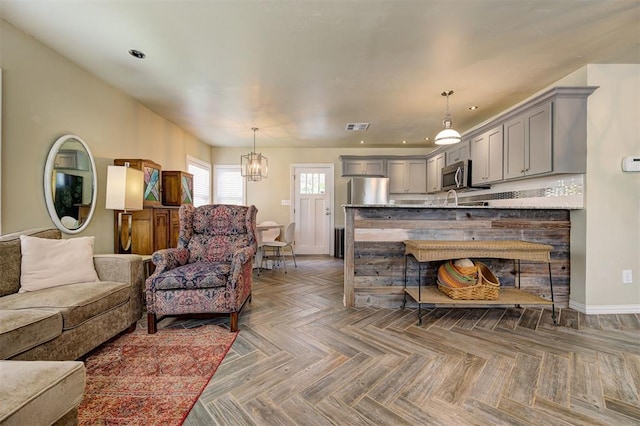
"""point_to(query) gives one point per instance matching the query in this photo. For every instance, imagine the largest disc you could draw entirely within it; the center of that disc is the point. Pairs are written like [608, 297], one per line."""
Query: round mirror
[70, 184]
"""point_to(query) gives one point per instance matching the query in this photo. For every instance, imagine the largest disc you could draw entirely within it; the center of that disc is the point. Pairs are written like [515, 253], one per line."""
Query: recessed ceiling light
[361, 141]
[473, 107]
[427, 138]
[137, 54]
[404, 141]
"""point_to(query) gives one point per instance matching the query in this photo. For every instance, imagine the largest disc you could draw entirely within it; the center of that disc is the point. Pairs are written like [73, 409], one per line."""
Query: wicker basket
[486, 288]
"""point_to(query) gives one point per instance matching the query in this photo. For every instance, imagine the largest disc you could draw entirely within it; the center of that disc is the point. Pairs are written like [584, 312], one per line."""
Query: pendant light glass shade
[254, 166]
[447, 136]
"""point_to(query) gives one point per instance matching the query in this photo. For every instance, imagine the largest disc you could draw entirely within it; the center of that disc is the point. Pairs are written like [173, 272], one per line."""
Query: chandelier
[254, 166]
[447, 135]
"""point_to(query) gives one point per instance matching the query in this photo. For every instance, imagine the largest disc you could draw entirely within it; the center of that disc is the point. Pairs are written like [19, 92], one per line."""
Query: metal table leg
[419, 293]
[553, 303]
[404, 298]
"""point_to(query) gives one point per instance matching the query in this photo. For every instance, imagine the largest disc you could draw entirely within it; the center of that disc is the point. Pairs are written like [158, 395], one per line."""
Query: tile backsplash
[562, 191]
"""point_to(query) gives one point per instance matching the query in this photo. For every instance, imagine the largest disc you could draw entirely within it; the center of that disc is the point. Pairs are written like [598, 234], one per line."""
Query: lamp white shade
[125, 188]
[447, 137]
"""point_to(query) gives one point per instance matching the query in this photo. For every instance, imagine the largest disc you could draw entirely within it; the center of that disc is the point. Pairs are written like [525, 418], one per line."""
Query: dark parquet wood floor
[301, 358]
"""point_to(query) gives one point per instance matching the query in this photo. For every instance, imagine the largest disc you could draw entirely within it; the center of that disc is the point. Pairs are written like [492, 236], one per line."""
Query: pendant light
[254, 166]
[447, 135]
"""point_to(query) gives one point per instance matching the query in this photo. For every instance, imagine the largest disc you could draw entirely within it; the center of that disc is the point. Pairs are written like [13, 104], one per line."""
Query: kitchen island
[374, 247]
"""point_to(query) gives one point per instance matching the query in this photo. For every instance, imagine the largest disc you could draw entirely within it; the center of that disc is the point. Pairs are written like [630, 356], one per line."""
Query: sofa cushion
[23, 329]
[76, 302]
[10, 257]
[39, 392]
[194, 276]
[50, 263]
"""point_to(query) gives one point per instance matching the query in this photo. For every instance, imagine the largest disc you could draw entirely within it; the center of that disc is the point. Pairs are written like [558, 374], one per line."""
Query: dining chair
[267, 231]
[279, 246]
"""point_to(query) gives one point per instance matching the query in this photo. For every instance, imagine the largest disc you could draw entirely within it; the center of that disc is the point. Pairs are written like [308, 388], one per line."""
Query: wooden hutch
[157, 225]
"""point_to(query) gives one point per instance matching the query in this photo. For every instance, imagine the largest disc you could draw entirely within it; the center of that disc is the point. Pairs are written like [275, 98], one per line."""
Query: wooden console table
[425, 251]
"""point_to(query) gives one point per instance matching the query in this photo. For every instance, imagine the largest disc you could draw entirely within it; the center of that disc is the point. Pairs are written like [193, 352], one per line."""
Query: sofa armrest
[123, 268]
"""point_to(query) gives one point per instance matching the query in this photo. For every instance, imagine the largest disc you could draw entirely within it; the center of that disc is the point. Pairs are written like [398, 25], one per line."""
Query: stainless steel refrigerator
[368, 190]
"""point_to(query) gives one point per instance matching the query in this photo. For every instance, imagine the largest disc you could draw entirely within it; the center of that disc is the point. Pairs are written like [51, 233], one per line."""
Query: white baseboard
[604, 309]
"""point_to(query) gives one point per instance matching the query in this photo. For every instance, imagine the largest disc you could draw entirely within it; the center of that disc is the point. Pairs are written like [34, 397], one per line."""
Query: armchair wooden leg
[233, 322]
[151, 324]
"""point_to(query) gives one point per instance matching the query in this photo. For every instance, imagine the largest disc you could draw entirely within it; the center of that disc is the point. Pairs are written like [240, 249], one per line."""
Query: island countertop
[436, 206]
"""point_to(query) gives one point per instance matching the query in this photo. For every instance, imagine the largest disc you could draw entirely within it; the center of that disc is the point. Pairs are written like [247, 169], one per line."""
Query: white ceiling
[300, 71]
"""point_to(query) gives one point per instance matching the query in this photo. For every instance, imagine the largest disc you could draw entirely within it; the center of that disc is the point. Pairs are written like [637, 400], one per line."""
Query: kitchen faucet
[455, 197]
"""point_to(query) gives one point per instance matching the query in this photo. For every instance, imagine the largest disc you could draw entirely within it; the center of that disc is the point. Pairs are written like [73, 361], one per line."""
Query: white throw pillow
[52, 262]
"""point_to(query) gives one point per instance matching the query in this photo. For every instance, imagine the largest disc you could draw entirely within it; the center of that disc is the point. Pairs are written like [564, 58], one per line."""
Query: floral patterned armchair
[210, 272]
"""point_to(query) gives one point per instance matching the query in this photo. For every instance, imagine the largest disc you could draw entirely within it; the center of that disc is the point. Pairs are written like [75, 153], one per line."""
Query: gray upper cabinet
[528, 143]
[363, 166]
[434, 173]
[486, 157]
[407, 176]
[547, 135]
[458, 152]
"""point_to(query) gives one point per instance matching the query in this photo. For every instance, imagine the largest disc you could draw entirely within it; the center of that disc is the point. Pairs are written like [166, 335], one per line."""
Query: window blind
[229, 185]
[201, 182]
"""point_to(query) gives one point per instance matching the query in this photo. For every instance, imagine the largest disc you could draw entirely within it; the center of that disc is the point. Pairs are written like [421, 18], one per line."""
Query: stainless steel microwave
[458, 176]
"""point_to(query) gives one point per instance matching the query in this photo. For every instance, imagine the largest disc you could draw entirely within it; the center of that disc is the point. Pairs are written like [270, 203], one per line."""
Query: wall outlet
[627, 276]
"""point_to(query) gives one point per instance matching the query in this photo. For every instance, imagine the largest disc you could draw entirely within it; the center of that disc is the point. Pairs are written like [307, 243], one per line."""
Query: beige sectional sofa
[62, 323]
[65, 322]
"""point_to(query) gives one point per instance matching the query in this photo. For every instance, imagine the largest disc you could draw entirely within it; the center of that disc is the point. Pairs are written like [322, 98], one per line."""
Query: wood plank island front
[374, 248]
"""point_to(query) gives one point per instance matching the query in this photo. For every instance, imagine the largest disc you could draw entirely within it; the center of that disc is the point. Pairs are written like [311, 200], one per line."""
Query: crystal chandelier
[447, 135]
[254, 166]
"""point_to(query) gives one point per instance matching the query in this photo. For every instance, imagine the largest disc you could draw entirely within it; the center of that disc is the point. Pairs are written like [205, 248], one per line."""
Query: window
[201, 172]
[312, 183]
[230, 186]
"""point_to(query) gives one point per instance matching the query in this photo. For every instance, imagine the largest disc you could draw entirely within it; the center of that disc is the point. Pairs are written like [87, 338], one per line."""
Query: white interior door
[313, 208]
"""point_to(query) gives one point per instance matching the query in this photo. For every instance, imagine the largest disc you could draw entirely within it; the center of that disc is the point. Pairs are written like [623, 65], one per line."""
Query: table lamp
[125, 188]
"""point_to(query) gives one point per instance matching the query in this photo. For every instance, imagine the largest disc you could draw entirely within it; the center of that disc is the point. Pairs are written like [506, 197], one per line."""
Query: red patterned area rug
[151, 379]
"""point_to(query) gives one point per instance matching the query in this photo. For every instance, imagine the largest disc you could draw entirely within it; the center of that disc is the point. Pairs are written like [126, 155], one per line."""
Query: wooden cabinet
[434, 173]
[152, 181]
[177, 188]
[407, 176]
[174, 227]
[362, 166]
[528, 143]
[486, 157]
[153, 228]
[157, 225]
[458, 152]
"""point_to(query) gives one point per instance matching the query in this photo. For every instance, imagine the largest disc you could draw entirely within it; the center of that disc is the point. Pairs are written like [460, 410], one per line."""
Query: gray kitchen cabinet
[486, 157]
[528, 143]
[547, 135]
[363, 167]
[434, 173]
[458, 152]
[407, 176]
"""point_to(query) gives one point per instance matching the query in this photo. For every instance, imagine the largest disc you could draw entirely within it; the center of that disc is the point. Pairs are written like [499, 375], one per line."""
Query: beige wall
[612, 215]
[46, 96]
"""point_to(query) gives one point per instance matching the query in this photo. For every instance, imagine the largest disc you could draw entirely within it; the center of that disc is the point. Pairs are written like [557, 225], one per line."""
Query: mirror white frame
[70, 157]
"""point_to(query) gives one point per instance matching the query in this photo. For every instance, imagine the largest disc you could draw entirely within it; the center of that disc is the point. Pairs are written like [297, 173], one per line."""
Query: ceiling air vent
[356, 127]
